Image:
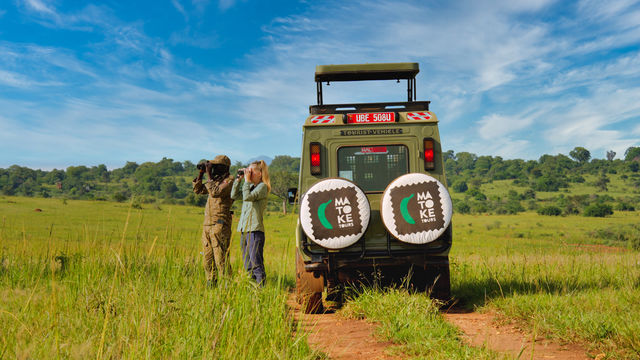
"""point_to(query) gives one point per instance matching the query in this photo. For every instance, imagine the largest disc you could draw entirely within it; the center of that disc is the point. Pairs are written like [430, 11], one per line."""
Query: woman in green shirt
[253, 192]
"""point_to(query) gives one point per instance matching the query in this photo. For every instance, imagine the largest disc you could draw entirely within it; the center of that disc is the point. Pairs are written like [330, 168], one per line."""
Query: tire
[439, 283]
[308, 288]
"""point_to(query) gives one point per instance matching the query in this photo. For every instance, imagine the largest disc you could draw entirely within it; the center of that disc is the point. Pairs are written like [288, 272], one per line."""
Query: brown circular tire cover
[334, 213]
[416, 208]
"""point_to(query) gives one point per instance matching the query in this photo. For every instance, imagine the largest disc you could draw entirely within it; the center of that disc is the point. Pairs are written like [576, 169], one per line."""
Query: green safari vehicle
[374, 207]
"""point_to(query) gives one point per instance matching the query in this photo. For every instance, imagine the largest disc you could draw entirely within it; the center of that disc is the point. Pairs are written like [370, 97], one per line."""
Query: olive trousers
[215, 243]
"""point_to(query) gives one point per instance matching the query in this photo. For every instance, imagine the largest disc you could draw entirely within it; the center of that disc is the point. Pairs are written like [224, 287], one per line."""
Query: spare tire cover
[334, 213]
[416, 208]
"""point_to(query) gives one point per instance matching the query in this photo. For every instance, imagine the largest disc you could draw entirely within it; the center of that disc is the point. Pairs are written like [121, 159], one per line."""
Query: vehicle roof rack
[369, 107]
[362, 72]
[359, 72]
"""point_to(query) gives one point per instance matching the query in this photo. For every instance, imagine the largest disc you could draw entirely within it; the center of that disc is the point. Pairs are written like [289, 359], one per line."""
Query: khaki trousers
[215, 242]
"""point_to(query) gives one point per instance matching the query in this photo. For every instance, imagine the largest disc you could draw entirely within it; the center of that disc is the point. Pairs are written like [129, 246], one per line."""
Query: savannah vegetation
[95, 276]
[479, 184]
[94, 279]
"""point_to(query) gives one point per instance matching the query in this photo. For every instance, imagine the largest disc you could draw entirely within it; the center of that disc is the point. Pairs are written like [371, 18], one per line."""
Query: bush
[476, 194]
[576, 179]
[479, 207]
[550, 211]
[120, 196]
[510, 207]
[462, 207]
[460, 186]
[146, 199]
[549, 183]
[196, 200]
[529, 194]
[623, 206]
[598, 210]
[612, 234]
[634, 241]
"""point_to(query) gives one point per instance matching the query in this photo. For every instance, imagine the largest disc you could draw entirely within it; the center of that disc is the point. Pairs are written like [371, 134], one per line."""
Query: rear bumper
[320, 260]
[334, 263]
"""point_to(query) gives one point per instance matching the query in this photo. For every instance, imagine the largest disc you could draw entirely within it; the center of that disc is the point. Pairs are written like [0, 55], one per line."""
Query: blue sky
[115, 81]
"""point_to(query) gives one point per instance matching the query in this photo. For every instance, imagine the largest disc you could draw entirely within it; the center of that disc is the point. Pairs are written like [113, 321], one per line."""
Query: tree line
[169, 181]
[467, 172]
[166, 181]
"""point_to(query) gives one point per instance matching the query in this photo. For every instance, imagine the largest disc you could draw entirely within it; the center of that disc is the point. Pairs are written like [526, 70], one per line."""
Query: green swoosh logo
[323, 217]
[404, 211]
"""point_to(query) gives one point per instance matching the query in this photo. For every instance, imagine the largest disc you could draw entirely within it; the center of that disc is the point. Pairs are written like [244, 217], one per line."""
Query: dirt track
[349, 339]
[482, 330]
[340, 338]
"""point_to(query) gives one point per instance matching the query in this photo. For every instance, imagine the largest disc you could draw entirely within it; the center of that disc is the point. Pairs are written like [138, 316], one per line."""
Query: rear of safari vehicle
[374, 207]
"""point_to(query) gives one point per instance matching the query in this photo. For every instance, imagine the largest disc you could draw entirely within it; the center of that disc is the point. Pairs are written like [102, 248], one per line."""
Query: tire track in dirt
[481, 329]
[340, 338]
[349, 339]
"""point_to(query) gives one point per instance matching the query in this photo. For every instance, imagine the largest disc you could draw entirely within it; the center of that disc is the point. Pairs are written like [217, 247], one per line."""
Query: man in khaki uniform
[216, 233]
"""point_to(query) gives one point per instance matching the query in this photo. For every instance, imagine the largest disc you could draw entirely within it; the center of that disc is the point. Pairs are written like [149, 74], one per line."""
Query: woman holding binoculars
[253, 192]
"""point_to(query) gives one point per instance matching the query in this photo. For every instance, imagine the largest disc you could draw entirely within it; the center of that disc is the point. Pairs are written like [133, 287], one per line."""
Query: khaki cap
[222, 160]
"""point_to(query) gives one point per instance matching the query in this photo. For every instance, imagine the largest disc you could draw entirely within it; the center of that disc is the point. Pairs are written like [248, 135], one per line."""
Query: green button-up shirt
[254, 203]
[219, 201]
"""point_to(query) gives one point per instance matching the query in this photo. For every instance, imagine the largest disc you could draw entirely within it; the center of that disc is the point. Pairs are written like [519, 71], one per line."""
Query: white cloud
[600, 122]
[41, 7]
[537, 86]
[195, 39]
[12, 79]
[226, 4]
[178, 5]
[493, 126]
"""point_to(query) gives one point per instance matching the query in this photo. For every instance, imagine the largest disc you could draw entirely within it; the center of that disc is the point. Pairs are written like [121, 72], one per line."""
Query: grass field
[88, 279]
[97, 280]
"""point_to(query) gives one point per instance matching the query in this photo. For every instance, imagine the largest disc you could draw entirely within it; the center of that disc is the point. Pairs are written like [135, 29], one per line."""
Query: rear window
[372, 167]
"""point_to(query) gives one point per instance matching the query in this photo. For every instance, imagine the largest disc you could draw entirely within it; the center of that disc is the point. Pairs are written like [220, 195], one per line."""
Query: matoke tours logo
[335, 213]
[417, 208]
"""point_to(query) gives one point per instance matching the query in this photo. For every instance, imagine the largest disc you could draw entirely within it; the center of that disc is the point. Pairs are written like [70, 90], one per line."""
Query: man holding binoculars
[216, 232]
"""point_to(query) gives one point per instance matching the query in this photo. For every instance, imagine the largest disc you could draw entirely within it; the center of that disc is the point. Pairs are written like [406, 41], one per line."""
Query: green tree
[285, 162]
[632, 153]
[580, 154]
[598, 210]
[601, 182]
[466, 161]
[460, 186]
[281, 181]
[168, 188]
[449, 154]
[550, 211]
[483, 164]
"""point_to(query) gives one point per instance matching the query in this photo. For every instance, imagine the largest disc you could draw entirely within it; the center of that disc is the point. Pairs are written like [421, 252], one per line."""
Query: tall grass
[75, 283]
[412, 321]
[545, 273]
[83, 280]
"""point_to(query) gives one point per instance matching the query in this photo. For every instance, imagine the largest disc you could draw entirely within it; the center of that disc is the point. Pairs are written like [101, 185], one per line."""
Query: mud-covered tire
[435, 280]
[439, 282]
[308, 288]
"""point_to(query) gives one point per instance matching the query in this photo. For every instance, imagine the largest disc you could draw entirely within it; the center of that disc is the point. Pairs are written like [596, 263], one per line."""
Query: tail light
[316, 160]
[429, 156]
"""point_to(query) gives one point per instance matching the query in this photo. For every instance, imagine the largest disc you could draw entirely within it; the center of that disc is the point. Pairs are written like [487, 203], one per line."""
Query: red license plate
[371, 118]
[373, 150]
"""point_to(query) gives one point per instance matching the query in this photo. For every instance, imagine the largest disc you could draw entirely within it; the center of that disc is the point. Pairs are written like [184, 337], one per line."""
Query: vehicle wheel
[308, 288]
[439, 282]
